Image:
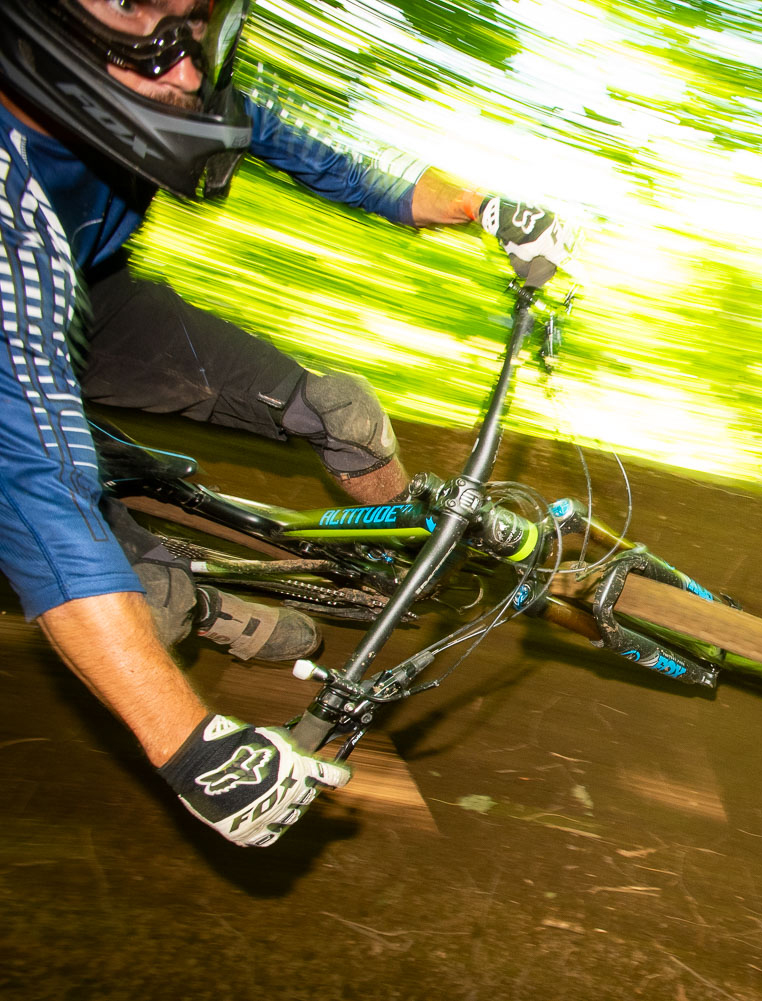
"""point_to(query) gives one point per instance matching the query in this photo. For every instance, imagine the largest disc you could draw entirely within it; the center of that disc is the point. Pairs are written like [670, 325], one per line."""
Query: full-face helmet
[57, 54]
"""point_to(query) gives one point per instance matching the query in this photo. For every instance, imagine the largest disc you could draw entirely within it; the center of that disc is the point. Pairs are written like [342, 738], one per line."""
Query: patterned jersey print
[55, 544]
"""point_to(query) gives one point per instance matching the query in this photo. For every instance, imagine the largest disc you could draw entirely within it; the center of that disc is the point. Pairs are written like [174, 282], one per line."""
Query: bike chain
[344, 602]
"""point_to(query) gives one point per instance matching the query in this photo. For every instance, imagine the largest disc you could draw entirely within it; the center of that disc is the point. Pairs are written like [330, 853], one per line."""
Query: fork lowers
[643, 650]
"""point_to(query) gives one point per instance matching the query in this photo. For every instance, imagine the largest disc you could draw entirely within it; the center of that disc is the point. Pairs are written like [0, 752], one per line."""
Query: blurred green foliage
[641, 116]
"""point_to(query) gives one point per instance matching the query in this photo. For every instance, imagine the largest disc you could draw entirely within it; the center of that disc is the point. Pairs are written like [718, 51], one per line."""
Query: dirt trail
[573, 830]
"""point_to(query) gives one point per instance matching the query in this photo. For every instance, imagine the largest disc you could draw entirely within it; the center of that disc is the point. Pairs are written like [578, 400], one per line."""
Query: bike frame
[438, 514]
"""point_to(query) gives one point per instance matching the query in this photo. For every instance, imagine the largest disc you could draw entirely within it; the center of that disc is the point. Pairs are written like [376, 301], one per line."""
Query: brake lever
[551, 344]
[550, 347]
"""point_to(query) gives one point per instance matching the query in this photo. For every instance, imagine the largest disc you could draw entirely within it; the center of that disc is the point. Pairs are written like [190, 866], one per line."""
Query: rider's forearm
[439, 199]
[109, 642]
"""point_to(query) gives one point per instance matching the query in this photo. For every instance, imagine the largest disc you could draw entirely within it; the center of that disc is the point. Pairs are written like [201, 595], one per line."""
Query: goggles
[208, 39]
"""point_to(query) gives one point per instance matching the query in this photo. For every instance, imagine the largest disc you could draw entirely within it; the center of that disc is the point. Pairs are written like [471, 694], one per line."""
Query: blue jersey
[59, 217]
[339, 176]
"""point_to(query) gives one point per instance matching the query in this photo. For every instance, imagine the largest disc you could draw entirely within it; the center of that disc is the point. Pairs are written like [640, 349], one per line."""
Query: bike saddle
[124, 463]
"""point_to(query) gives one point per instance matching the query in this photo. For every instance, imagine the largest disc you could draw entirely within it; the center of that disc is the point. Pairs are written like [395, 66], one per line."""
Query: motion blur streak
[641, 119]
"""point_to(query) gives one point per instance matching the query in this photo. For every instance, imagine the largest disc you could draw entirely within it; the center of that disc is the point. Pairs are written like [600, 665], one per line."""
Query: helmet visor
[207, 33]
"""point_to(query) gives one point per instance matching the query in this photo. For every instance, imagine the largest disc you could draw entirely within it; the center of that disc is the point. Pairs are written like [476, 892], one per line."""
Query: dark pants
[150, 350]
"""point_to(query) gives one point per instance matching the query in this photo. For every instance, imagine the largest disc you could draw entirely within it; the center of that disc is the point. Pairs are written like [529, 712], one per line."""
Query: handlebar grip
[535, 273]
[310, 732]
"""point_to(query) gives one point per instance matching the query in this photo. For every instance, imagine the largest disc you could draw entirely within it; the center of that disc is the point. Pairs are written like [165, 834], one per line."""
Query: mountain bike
[483, 552]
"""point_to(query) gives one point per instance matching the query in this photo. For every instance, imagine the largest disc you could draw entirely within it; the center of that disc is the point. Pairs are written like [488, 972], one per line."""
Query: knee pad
[167, 579]
[171, 596]
[343, 421]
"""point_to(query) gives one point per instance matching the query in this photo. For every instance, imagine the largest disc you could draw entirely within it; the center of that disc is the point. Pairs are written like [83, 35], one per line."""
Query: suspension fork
[642, 649]
[603, 629]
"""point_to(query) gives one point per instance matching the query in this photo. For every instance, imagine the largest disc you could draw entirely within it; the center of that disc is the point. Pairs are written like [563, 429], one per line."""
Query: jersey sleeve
[54, 543]
[370, 183]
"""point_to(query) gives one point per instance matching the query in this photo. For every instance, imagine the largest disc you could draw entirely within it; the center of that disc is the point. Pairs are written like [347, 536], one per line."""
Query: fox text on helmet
[108, 72]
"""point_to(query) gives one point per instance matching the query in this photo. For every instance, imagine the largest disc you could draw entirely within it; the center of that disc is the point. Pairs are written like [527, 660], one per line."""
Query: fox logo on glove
[249, 783]
[526, 217]
[248, 766]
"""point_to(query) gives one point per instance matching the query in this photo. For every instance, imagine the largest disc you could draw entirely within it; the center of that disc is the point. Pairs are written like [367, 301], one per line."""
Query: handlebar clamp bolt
[418, 485]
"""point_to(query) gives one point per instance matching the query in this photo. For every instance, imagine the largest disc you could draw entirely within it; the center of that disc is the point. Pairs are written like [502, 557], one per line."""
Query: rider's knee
[344, 422]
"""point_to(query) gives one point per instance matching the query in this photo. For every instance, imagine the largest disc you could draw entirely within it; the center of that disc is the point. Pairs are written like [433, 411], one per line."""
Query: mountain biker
[101, 103]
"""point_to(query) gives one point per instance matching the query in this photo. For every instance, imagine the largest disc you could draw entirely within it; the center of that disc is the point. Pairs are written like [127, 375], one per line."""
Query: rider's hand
[249, 783]
[536, 240]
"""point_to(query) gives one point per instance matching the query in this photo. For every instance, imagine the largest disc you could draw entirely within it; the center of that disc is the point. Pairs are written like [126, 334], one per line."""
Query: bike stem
[459, 509]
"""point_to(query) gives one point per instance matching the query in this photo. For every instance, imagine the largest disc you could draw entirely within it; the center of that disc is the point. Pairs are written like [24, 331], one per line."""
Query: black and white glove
[249, 783]
[536, 240]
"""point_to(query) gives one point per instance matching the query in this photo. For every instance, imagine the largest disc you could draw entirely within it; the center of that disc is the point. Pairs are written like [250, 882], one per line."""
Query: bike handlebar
[318, 722]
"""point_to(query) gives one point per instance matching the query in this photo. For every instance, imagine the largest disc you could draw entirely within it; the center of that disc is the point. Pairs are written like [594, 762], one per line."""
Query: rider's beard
[163, 93]
[175, 98]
